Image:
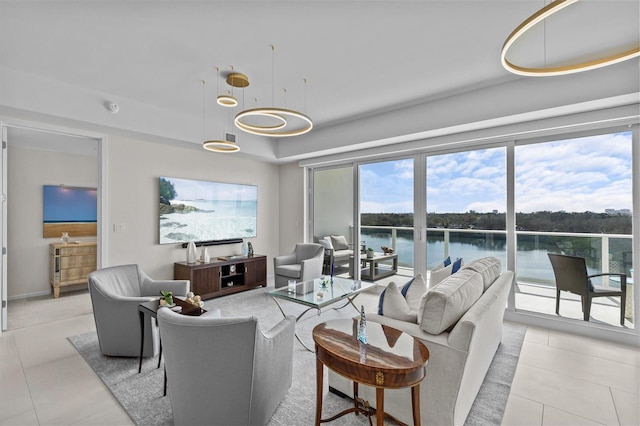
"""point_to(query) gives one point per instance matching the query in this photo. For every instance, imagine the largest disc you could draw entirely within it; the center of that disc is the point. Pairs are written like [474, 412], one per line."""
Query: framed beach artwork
[196, 210]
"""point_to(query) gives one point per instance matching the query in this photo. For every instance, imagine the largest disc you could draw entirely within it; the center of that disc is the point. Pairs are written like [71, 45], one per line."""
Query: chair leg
[557, 302]
[587, 307]
[623, 303]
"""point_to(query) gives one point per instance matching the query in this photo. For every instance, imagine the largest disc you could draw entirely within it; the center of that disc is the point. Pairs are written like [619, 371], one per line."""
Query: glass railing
[603, 252]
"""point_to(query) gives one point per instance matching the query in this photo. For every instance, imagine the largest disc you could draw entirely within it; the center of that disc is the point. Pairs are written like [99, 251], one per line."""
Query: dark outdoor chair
[571, 275]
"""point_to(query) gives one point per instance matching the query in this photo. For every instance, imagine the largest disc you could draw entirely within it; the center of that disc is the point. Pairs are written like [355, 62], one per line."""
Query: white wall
[27, 251]
[132, 171]
[292, 210]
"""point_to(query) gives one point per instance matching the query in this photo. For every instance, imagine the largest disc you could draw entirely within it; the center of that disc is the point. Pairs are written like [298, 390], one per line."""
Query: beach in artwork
[208, 211]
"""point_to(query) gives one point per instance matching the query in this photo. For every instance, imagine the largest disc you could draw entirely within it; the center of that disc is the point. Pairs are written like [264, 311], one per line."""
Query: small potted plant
[370, 253]
[166, 298]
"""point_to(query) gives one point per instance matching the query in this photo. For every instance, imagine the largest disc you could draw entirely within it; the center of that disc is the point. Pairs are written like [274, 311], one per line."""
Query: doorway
[32, 158]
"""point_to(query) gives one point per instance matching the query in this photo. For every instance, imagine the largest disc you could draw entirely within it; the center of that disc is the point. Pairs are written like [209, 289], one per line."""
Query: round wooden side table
[390, 359]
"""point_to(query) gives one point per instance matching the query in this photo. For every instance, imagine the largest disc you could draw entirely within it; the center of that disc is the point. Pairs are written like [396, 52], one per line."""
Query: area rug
[141, 394]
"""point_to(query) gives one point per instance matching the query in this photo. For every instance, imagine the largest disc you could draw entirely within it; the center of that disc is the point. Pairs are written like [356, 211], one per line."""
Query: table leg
[141, 339]
[415, 404]
[379, 406]
[319, 385]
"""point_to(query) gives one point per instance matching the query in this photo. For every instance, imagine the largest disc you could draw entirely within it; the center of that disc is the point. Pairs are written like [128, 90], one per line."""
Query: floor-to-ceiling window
[386, 210]
[466, 205]
[574, 197]
[516, 200]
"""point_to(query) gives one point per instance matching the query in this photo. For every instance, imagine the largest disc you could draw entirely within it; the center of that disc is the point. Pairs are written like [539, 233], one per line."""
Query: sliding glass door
[466, 206]
[574, 197]
[386, 212]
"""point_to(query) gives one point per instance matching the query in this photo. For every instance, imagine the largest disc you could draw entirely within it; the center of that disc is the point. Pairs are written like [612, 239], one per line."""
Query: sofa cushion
[488, 267]
[392, 304]
[339, 242]
[442, 306]
[290, 271]
[413, 291]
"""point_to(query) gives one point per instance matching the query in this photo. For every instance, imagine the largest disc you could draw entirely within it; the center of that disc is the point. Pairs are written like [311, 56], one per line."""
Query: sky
[189, 189]
[575, 175]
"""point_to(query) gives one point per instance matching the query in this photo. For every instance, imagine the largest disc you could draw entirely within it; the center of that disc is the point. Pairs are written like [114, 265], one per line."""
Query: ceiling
[359, 58]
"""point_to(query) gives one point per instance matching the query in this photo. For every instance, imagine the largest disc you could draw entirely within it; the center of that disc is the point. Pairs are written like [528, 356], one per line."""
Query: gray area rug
[141, 394]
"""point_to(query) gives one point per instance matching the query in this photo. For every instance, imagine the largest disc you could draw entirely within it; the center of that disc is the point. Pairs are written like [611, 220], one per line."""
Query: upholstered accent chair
[304, 264]
[225, 371]
[116, 293]
[572, 276]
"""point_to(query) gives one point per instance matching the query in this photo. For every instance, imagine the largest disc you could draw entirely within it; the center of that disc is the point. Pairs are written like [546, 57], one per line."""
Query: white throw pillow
[326, 242]
[413, 291]
[437, 275]
[339, 242]
[392, 304]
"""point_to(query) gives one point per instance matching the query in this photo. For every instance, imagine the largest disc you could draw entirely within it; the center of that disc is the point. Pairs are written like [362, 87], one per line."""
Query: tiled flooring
[561, 379]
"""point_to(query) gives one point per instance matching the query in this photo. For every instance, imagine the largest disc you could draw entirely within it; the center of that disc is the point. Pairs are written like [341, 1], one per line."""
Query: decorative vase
[64, 238]
[362, 329]
[191, 252]
[204, 255]
[370, 254]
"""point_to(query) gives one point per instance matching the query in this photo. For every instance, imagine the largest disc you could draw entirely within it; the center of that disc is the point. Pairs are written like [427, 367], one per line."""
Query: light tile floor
[561, 379]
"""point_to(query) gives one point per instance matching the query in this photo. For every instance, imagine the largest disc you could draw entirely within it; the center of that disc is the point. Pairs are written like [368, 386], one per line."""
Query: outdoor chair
[572, 276]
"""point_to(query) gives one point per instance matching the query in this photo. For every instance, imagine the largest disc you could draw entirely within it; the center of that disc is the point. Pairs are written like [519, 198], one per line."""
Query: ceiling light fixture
[540, 16]
[225, 146]
[286, 122]
[234, 79]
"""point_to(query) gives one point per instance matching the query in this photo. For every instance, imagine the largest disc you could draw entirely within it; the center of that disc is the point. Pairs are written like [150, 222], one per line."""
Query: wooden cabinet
[70, 264]
[219, 278]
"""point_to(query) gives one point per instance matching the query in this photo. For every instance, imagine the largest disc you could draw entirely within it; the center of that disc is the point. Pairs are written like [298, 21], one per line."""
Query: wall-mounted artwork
[69, 209]
[195, 210]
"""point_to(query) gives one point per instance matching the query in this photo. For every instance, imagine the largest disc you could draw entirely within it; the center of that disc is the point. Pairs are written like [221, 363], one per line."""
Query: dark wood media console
[219, 278]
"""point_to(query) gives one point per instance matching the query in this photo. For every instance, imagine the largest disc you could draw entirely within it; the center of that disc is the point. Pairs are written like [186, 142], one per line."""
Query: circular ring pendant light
[540, 16]
[280, 114]
[220, 146]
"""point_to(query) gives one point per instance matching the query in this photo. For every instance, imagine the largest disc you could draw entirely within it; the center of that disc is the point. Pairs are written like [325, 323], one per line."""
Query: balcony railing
[603, 252]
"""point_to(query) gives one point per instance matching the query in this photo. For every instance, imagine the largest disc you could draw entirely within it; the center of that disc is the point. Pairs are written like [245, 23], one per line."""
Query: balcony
[535, 285]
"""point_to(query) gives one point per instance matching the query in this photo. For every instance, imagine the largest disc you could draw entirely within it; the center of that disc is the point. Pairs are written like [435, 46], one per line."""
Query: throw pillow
[326, 243]
[339, 242]
[456, 265]
[392, 304]
[447, 261]
[413, 291]
[439, 274]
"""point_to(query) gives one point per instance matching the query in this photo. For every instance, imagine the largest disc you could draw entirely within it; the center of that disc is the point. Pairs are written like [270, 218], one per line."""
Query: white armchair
[116, 293]
[304, 264]
[225, 371]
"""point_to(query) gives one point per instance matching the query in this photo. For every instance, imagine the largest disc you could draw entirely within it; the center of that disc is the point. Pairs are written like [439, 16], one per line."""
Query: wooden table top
[390, 359]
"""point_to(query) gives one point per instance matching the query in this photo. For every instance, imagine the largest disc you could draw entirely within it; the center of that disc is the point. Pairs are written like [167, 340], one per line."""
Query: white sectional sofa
[460, 322]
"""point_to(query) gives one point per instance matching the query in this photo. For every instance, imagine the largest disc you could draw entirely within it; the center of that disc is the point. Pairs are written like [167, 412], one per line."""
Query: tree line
[543, 221]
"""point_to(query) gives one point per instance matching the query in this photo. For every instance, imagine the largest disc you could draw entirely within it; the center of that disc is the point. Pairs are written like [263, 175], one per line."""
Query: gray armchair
[116, 293]
[225, 371]
[304, 264]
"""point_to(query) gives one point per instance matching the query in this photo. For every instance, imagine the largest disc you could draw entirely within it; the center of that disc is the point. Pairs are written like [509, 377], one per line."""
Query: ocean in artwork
[212, 220]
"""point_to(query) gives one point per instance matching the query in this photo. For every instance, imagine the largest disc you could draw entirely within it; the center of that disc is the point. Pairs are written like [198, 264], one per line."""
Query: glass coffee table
[319, 294]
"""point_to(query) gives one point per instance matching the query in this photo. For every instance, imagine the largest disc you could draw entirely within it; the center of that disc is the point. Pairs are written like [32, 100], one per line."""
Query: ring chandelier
[540, 16]
[216, 145]
[284, 122]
